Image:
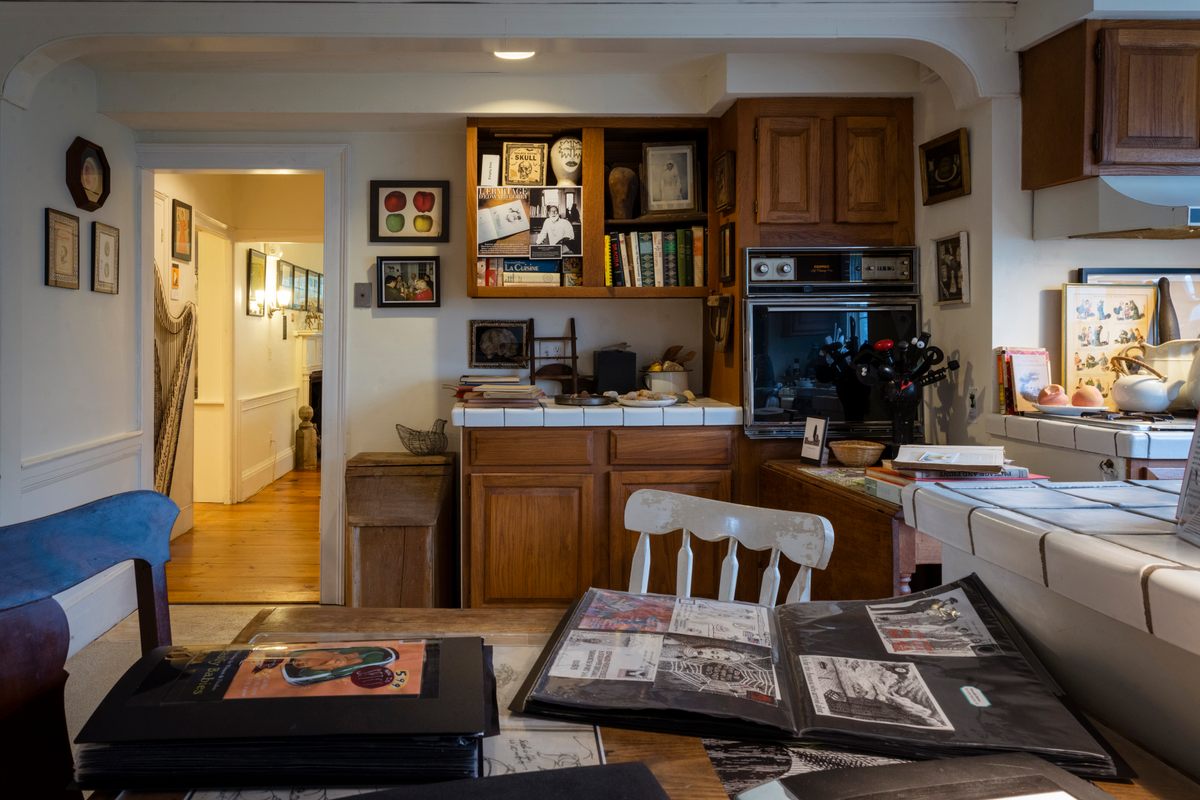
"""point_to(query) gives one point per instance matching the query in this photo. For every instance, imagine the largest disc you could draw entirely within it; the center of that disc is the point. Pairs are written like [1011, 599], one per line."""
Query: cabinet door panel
[1150, 97]
[865, 166]
[531, 538]
[789, 169]
[706, 564]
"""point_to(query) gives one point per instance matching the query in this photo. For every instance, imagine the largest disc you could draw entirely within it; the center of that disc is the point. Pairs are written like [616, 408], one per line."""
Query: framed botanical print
[410, 211]
[256, 283]
[62, 249]
[106, 258]
[669, 172]
[408, 282]
[181, 230]
[1099, 321]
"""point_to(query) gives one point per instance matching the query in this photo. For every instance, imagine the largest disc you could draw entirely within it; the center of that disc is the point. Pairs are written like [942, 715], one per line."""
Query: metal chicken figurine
[902, 368]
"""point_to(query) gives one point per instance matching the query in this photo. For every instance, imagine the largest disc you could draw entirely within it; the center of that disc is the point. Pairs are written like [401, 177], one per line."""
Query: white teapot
[1176, 361]
[1149, 390]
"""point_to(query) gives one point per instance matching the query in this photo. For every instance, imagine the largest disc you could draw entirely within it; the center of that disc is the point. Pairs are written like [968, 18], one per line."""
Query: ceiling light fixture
[514, 55]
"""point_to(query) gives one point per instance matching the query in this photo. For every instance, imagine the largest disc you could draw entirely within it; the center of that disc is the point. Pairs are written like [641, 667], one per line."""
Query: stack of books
[655, 258]
[503, 395]
[916, 463]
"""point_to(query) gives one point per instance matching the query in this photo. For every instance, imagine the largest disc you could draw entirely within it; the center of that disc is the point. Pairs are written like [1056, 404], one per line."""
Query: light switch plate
[362, 295]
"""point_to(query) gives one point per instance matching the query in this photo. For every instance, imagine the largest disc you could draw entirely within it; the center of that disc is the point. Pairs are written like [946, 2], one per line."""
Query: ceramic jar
[623, 189]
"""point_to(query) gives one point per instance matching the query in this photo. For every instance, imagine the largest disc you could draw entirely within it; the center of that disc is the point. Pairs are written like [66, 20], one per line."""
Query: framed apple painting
[410, 211]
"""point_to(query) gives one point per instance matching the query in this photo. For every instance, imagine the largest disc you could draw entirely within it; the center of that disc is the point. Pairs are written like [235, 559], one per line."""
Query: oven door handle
[841, 307]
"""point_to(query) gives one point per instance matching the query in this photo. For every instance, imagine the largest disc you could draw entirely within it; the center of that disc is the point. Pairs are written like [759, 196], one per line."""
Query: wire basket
[857, 452]
[424, 443]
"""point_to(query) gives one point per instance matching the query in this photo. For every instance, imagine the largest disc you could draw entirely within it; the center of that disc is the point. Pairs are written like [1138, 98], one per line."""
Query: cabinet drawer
[678, 446]
[530, 447]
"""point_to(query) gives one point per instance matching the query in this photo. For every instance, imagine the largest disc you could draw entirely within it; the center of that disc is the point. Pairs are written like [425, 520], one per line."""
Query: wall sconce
[283, 299]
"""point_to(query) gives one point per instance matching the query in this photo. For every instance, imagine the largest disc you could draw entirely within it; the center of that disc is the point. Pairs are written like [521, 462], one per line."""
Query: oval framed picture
[89, 178]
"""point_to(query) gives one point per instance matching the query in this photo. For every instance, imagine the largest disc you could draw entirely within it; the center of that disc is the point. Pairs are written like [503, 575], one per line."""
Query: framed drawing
[256, 283]
[408, 282]
[89, 178]
[106, 258]
[1100, 320]
[669, 177]
[499, 343]
[299, 288]
[181, 230]
[953, 269]
[524, 164]
[284, 273]
[62, 249]
[816, 429]
[724, 181]
[727, 254]
[945, 167]
[1183, 291]
[314, 289]
[410, 211]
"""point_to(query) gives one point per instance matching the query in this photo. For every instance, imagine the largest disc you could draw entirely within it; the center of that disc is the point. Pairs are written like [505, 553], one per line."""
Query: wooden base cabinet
[544, 523]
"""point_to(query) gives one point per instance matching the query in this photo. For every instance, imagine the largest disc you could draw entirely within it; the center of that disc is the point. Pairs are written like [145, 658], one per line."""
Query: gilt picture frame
[1099, 321]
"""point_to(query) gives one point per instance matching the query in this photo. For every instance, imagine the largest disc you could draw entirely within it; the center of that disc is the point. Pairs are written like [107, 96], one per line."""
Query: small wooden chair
[805, 539]
[38, 559]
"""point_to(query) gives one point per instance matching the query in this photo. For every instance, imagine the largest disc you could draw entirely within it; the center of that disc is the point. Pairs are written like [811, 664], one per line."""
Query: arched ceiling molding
[964, 42]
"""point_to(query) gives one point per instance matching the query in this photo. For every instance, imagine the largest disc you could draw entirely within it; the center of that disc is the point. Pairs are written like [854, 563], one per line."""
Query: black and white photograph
[499, 343]
[952, 268]
[742, 765]
[702, 666]
[884, 692]
[815, 431]
[554, 221]
[403, 282]
[943, 625]
[669, 177]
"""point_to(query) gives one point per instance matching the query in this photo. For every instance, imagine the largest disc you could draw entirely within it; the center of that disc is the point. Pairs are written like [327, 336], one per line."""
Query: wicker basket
[857, 452]
[424, 443]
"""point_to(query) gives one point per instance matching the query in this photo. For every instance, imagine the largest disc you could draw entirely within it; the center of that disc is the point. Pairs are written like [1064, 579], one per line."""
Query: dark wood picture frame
[945, 167]
[727, 251]
[256, 283]
[89, 178]
[500, 343]
[181, 230]
[724, 181]
[400, 279]
[62, 249]
[400, 210]
[106, 258]
[662, 194]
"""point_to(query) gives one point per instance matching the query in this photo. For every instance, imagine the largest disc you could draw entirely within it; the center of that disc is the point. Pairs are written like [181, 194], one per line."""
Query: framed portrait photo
[945, 168]
[669, 177]
[499, 343]
[952, 269]
[724, 181]
[89, 178]
[62, 249]
[409, 211]
[256, 283]
[1099, 321]
[404, 282]
[816, 430]
[106, 258]
[181, 230]
[727, 254]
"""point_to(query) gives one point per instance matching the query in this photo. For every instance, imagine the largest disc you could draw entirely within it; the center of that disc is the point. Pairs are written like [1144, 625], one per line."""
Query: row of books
[1021, 373]
[505, 391]
[655, 258]
[529, 271]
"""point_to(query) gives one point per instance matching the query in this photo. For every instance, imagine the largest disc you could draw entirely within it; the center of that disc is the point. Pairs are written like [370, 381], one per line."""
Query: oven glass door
[788, 378]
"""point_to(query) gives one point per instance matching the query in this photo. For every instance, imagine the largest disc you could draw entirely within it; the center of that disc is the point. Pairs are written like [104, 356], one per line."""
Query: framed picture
[62, 249]
[1183, 290]
[314, 290]
[404, 282]
[410, 211]
[669, 177]
[181, 230]
[499, 343]
[727, 254]
[256, 283]
[299, 288]
[524, 164]
[321, 293]
[945, 168]
[1100, 320]
[176, 291]
[554, 221]
[724, 181]
[816, 429]
[106, 258]
[285, 272]
[89, 178]
[952, 268]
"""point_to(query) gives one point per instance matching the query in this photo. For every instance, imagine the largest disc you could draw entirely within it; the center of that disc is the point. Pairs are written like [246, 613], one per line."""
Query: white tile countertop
[1091, 438]
[701, 411]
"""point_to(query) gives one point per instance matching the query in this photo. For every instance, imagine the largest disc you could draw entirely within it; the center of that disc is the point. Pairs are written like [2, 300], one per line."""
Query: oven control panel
[886, 268]
[831, 270]
[773, 268]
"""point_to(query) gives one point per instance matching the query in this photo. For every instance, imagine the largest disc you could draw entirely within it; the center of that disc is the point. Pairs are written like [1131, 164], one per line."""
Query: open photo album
[938, 673]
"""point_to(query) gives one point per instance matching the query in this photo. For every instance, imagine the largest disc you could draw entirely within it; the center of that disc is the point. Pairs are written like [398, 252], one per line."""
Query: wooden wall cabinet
[1111, 97]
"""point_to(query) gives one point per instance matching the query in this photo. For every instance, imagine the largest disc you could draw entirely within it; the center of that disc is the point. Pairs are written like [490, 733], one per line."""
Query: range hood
[1119, 207]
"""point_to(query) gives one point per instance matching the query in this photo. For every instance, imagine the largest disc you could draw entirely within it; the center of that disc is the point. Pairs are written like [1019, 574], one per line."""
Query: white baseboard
[265, 472]
[285, 462]
[94, 606]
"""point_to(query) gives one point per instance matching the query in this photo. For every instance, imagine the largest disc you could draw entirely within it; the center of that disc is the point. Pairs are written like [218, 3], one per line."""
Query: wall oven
[808, 311]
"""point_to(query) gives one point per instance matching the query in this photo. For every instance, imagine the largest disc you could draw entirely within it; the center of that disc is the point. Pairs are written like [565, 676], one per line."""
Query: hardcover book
[356, 712]
[933, 674]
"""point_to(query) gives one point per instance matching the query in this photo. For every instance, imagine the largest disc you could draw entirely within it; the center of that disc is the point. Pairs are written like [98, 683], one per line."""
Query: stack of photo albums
[934, 674]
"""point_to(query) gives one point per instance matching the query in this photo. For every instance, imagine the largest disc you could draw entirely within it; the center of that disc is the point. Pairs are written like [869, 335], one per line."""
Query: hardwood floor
[265, 550]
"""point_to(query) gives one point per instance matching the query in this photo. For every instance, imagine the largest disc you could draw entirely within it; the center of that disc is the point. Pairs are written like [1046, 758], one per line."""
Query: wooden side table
[874, 553]
[400, 530]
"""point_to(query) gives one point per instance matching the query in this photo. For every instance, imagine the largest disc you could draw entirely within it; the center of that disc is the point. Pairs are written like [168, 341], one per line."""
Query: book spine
[670, 259]
[656, 249]
[683, 239]
[635, 265]
[608, 262]
[1001, 398]
[883, 490]
[532, 279]
[618, 262]
[699, 267]
[646, 257]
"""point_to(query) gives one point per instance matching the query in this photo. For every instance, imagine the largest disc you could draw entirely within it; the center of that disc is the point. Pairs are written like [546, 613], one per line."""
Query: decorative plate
[666, 401]
[1069, 411]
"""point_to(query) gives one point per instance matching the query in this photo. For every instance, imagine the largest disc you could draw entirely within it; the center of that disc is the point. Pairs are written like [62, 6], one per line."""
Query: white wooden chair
[805, 539]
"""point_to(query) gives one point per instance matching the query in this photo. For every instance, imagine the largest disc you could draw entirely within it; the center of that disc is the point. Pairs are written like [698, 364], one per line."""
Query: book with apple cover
[932, 674]
[369, 712]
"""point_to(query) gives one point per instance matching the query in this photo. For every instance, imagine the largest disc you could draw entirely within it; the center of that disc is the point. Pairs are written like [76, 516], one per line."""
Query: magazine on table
[938, 673]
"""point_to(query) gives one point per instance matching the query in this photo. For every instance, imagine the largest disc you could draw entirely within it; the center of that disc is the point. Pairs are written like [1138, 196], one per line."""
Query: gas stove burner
[1127, 416]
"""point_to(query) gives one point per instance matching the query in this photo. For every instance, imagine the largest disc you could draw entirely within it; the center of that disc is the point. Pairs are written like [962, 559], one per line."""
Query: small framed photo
[89, 178]
[62, 249]
[669, 177]
[524, 164]
[410, 211]
[945, 168]
[499, 343]
[404, 282]
[285, 272]
[728, 250]
[299, 288]
[953, 269]
[256, 283]
[816, 429]
[181, 230]
[106, 258]
[724, 181]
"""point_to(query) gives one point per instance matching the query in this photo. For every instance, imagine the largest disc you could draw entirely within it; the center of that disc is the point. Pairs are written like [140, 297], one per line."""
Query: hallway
[265, 550]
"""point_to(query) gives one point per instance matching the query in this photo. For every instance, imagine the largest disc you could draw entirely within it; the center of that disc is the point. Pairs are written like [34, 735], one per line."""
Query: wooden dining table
[680, 763]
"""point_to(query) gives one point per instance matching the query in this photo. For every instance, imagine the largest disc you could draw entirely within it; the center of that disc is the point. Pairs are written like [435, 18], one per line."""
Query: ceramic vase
[566, 160]
[623, 189]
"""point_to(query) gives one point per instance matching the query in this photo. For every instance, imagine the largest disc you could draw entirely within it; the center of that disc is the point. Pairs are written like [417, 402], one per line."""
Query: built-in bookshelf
[607, 143]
